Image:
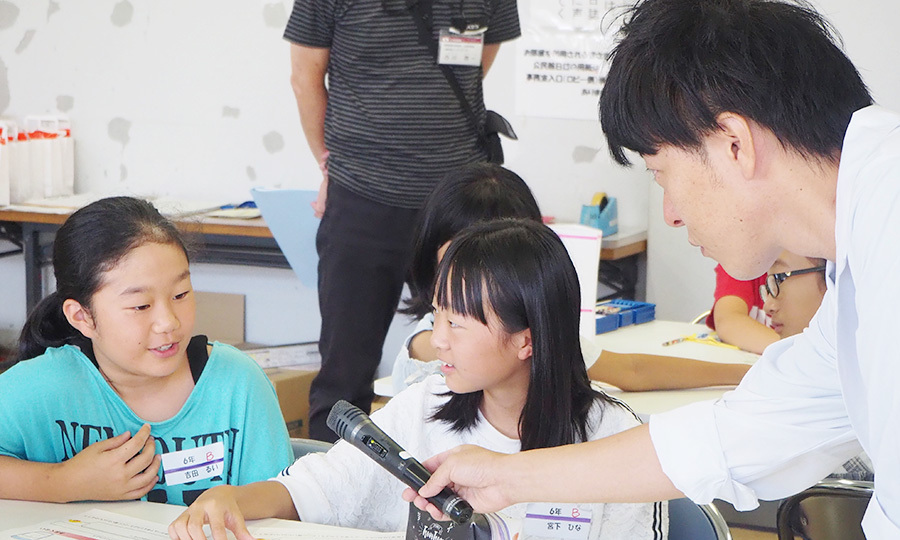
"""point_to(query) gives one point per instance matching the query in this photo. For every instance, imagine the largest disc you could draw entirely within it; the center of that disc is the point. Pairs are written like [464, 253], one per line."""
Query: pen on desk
[674, 341]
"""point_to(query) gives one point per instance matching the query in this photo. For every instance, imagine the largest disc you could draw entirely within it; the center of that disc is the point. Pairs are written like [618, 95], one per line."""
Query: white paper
[102, 525]
[303, 355]
[290, 218]
[92, 525]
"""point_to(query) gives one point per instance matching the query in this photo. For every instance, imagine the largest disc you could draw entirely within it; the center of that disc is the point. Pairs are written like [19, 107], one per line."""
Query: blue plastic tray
[626, 312]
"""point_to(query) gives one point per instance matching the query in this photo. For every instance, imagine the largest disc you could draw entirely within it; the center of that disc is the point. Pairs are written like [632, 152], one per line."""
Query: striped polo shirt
[393, 126]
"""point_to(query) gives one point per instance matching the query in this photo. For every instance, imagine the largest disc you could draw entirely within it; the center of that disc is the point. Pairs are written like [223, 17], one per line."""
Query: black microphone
[355, 427]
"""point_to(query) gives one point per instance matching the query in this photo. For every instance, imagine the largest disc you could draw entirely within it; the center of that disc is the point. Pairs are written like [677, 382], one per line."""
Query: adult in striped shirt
[385, 128]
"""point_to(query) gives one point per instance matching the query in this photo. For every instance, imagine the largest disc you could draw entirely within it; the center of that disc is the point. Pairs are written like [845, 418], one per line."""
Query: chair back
[701, 319]
[830, 510]
[301, 447]
[690, 521]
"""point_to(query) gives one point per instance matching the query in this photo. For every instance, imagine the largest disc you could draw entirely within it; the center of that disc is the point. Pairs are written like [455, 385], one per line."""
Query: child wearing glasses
[793, 290]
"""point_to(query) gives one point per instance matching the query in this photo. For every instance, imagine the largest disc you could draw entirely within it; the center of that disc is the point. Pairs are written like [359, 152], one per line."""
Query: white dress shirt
[818, 398]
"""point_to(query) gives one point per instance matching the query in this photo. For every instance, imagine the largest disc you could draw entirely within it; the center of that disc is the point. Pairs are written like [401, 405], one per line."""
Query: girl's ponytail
[46, 327]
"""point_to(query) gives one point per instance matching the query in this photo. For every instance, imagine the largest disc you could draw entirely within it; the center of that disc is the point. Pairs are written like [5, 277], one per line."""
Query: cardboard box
[220, 316]
[292, 387]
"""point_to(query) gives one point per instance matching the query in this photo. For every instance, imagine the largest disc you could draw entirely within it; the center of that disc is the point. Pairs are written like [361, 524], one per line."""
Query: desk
[620, 263]
[16, 514]
[214, 240]
[648, 338]
[217, 240]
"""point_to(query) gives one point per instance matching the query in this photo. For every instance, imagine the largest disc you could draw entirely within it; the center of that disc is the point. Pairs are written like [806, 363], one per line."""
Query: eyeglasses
[774, 280]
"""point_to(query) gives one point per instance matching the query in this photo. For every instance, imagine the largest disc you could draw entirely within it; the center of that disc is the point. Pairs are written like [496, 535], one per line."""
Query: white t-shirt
[816, 399]
[345, 487]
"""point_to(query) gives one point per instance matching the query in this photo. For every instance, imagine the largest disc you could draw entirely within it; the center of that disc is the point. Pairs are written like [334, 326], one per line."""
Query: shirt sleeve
[407, 370]
[345, 487]
[504, 23]
[311, 23]
[784, 428]
[748, 291]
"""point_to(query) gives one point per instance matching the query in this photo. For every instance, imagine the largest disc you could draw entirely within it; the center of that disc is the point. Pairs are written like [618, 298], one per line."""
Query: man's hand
[318, 205]
[120, 468]
[475, 474]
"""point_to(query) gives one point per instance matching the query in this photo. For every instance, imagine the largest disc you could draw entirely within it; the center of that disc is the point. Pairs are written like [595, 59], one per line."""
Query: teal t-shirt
[55, 405]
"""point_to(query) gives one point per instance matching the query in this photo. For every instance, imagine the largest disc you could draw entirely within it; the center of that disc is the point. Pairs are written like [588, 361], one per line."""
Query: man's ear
[736, 139]
[79, 317]
[523, 342]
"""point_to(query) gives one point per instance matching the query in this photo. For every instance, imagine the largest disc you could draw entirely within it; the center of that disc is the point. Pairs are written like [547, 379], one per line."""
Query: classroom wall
[679, 279]
[193, 100]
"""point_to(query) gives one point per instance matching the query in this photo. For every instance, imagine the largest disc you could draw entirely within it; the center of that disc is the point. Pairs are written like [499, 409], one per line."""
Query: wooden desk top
[616, 247]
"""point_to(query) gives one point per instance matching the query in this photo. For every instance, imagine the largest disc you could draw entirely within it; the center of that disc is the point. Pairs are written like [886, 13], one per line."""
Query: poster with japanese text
[561, 58]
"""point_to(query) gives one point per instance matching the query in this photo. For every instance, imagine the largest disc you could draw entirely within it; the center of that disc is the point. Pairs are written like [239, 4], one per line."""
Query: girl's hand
[472, 472]
[219, 508]
[120, 468]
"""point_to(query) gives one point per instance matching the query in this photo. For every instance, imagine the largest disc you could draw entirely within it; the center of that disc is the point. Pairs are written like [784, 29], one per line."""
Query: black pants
[364, 252]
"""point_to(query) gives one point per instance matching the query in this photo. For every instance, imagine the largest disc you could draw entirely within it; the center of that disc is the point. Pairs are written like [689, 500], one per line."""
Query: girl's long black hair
[477, 192]
[520, 270]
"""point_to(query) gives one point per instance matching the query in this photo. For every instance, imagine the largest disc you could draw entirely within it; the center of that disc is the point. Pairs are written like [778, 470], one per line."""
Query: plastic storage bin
[613, 314]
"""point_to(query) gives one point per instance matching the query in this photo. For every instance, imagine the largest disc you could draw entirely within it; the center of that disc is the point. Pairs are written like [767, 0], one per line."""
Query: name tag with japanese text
[460, 49]
[193, 464]
[550, 520]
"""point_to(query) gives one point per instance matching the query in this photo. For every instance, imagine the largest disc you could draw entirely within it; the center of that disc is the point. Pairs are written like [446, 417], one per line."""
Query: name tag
[193, 464]
[460, 49]
[547, 520]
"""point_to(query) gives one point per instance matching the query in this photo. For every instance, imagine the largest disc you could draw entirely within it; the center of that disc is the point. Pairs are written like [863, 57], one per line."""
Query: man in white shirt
[762, 135]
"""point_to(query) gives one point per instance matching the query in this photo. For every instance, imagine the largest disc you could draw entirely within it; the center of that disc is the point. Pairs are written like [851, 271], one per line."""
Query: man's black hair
[681, 63]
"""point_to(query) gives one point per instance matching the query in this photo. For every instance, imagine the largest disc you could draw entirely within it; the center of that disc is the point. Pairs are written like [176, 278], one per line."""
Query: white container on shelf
[4, 164]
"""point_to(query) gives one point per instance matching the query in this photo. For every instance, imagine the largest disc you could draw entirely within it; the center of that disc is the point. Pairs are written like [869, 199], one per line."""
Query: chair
[830, 510]
[701, 318]
[301, 447]
[690, 521]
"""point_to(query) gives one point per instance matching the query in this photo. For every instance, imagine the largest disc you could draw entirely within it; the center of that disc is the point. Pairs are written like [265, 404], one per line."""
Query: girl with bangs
[512, 378]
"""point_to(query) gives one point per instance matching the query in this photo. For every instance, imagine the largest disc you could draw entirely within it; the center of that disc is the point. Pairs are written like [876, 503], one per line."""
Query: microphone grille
[342, 416]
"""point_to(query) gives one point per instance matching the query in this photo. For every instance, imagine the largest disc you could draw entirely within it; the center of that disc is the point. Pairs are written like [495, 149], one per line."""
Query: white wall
[192, 99]
[681, 281]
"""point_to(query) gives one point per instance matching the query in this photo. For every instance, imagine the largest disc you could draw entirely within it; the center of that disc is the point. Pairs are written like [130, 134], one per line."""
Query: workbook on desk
[103, 525]
[290, 217]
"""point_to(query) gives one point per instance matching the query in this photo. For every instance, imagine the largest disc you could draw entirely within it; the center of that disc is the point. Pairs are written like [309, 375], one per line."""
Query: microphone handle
[450, 503]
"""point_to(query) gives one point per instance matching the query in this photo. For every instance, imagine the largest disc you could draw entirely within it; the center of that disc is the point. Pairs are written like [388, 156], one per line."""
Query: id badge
[460, 49]
[551, 520]
[194, 464]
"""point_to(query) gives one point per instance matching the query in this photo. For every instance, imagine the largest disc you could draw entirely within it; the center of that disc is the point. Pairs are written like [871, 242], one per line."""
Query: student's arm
[227, 507]
[120, 468]
[420, 347]
[734, 326]
[620, 468]
[640, 372]
[309, 66]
